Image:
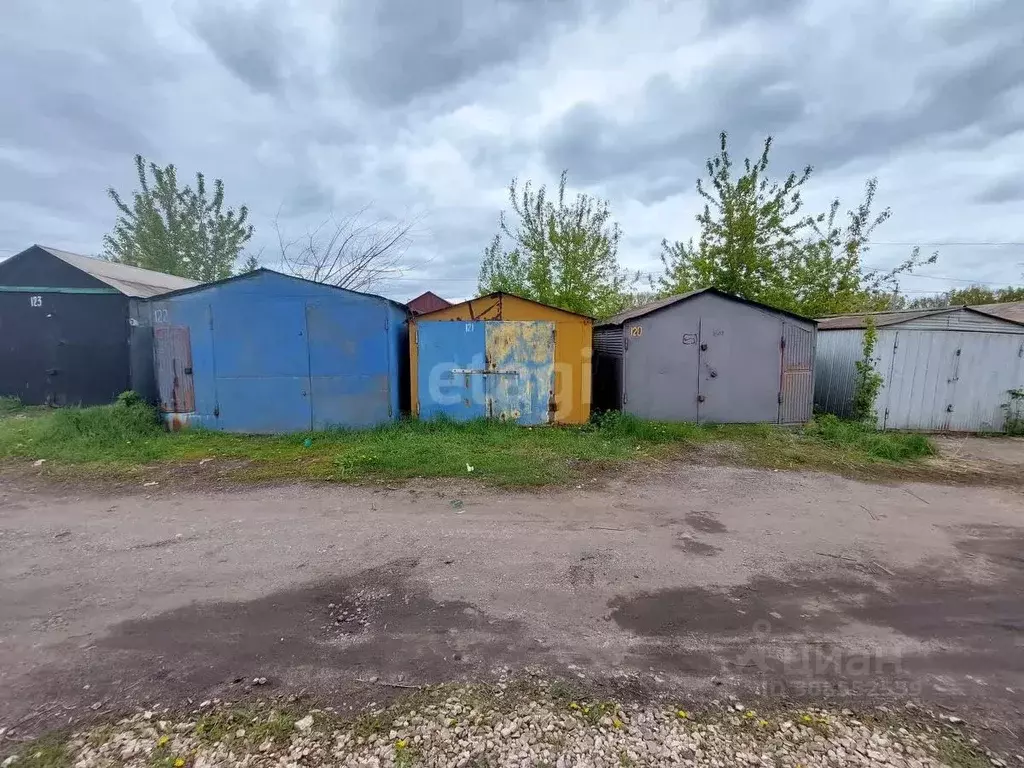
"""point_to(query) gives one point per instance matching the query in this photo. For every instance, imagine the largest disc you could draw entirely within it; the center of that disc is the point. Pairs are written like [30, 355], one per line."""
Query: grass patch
[10, 405]
[120, 439]
[50, 751]
[259, 725]
[957, 753]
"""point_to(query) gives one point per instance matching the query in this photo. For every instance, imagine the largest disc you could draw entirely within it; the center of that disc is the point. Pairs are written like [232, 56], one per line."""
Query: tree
[355, 252]
[559, 252]
[183, 232]
[252, 263]
[755, 242]
[971, 295]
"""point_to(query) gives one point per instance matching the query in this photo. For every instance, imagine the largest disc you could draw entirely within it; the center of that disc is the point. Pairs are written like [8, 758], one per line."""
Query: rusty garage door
[173, 352]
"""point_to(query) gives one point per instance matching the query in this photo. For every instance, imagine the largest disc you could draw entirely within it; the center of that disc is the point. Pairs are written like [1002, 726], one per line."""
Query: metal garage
[943, 369]
[504, 357]
[64, 333]
[265, 352]
[706, 356]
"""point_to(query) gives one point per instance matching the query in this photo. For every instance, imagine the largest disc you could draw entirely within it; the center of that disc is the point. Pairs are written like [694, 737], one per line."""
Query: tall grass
[890, 446]
[129, 434]
[9, 405]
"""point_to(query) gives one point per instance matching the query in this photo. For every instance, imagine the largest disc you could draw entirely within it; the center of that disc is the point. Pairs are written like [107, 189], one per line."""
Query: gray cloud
[731, 12]
[394, 51]
[249, 43]
[949, 99]
[661, 150]
[1009, 189]
[428, 109]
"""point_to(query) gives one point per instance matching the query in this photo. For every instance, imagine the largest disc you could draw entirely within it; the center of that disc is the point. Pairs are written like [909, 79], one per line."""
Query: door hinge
[780, 398]
[387, 322]
[782, 343]
[625, 398]
[625, 344]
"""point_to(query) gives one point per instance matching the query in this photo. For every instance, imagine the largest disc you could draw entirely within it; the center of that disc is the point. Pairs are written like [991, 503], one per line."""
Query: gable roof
[654, 306]
[881, 319]
[428, 301]
[131, 281]
[275, 273]
[499, 295]
[1008, 310]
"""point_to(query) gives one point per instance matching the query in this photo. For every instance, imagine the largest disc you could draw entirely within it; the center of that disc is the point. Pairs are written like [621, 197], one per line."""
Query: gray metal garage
[706, 356]
[948, 369]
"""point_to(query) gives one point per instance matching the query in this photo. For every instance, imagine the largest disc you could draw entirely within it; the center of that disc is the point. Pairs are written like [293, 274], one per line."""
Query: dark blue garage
[265, 352]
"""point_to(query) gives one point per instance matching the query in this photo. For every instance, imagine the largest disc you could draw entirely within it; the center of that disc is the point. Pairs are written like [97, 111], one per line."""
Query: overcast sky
[426, 109]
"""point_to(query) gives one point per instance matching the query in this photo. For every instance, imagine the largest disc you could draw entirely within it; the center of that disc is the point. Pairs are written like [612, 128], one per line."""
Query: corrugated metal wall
[609, 348]
[933, 379]
[834, 372]
[797, 395]
[609, 341]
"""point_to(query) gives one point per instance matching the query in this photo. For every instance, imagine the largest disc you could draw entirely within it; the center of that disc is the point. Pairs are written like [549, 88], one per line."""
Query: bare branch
[354, 252]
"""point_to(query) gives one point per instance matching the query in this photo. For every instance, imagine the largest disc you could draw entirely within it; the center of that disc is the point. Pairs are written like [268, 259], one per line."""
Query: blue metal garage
[265, 352]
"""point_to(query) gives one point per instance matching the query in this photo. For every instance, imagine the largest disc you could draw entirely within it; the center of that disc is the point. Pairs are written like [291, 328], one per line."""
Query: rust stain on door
[173, 353]
[520, 370]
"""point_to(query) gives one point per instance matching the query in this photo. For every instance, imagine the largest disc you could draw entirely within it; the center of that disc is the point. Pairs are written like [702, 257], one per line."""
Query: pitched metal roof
[498, 295]
[860, 319]
[131, 281]
[264, 271]
[1009, 310]
[428, 301]
[654, 306]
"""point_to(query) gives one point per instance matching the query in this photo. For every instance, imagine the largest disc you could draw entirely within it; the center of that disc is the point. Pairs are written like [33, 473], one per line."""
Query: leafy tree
[972, 294]
[867, 381]
[252, 263]
[181, 231]
[755, 242]
[558, 251]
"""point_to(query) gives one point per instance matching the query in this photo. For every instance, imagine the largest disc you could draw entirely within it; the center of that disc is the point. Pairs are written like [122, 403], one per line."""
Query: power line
[969, 280]
[939, 243]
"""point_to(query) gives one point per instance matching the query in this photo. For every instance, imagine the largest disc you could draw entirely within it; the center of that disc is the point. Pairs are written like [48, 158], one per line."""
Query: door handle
[704, 347]
[700, 398]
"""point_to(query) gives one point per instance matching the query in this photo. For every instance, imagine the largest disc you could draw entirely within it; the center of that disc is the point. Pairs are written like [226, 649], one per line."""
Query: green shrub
[891, 446]
[867, 381]
[129, 398]
[9, 404]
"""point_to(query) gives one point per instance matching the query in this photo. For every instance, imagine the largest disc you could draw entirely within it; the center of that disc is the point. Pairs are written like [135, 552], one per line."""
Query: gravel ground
[518, 724]
[698, 580]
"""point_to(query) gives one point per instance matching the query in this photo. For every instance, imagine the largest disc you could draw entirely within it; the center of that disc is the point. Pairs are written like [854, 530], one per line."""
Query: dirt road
[696, 578]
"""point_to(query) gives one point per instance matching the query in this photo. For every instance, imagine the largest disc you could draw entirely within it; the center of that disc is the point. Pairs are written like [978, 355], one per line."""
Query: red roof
[427, 302]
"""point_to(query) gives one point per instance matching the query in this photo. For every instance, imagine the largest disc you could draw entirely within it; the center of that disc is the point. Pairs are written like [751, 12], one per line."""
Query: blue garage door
[451, 369]
[349, 368]
[262, 366]
[496, 369]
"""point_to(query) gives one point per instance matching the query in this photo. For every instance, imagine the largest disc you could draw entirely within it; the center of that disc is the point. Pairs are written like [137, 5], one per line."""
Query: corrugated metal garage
[501, 356]
[709, 357]
[265, 352]
[943, 369]
[64, 333]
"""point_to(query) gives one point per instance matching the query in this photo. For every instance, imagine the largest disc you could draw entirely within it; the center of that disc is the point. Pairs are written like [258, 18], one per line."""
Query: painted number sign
[35, 301]
[636, 331]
